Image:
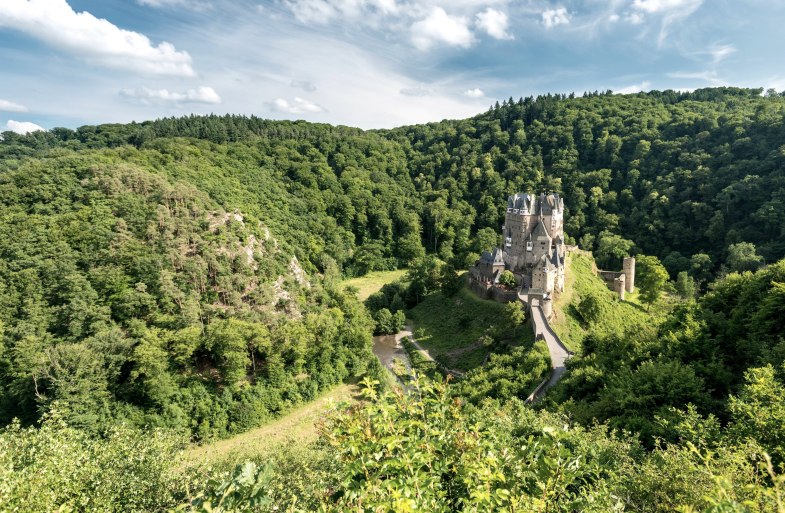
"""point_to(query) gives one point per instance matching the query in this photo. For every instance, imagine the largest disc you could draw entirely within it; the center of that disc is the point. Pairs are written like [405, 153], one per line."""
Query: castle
[532, 249]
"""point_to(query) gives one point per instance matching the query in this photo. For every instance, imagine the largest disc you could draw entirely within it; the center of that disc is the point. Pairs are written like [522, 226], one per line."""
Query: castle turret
[619, 285]
[547, 307]
[628, 267]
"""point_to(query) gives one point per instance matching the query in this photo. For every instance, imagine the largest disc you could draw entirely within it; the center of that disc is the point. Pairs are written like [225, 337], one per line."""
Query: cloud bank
[494, 23]
[554, 17]
[8, 106]
[295, 106]
[441, 28]
[199, 95]
[474, 93]
[22, 127]
[96, 40]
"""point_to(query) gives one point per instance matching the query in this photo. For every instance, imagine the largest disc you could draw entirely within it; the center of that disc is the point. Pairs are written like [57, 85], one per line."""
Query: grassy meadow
[298, 427]
[581, 281]
[373, 282]
[450, 328]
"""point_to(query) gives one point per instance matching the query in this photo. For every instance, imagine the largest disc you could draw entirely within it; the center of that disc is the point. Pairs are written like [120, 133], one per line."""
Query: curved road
[559, 354]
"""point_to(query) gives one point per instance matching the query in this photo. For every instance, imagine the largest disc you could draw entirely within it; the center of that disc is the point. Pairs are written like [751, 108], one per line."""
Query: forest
[177, 281]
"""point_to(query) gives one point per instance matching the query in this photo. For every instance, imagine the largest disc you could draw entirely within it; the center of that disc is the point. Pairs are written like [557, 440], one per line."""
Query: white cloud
[323, 11]
[613, 18]
[295, 106]
[669, 11]
[709, 76]
[199, 95]
[657, 6]
[97, 40]
[441, 28]
[196, 5]
[7, 106]
[304, 85]
[634, 88]
[554, 17]
[495, 23]
[719, 53]
[313, 11]
[474, 93]
[22, 127]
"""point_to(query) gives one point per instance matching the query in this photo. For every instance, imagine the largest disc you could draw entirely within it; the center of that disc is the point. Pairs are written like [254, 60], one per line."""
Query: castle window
[528, 246]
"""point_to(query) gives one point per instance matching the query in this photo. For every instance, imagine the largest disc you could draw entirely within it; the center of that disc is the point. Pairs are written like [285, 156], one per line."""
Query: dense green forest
[178, 280]
[127, 295]
[682, 176]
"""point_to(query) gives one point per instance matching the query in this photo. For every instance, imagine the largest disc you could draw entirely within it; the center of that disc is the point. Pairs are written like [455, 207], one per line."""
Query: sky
[365, 63]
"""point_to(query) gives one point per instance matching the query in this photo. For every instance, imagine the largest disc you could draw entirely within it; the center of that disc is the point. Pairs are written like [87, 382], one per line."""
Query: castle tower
[619, 285]
[628, 267]
[547, 307]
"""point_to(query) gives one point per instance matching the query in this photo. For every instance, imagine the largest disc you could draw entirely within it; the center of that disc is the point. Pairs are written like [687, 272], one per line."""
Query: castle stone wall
[609, 276]
[615, 280]
[503, 296]
[482, 289]
[618, 286]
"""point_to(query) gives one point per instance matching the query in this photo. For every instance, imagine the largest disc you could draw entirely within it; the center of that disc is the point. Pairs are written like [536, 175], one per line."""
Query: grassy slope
[450, 326]
[373, 282]
[298, 426]
[581, 280]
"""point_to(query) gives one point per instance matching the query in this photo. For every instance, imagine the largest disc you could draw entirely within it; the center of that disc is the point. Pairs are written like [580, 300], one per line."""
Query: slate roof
[498, 256]
[544, 204]
[520, 200]
[540, 231]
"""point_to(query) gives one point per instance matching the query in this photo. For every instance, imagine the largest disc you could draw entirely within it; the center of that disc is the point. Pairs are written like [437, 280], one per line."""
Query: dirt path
[407, 332]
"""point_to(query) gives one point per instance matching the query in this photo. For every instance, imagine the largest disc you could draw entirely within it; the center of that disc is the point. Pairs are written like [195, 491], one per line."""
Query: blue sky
[367, 63]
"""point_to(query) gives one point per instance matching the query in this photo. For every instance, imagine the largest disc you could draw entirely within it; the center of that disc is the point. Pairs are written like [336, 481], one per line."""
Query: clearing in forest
[373, 282]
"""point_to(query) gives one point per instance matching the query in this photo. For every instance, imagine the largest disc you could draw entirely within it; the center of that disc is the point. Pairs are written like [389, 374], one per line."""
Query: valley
[182, 300]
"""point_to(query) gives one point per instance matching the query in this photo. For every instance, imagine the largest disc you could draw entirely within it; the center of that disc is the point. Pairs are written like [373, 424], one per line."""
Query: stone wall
[482, 289]
[615, 280]
[503, 295]
[609, 276]
[620, 281]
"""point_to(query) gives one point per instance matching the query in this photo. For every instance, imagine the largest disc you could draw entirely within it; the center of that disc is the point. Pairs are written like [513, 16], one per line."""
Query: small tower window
[528, 245]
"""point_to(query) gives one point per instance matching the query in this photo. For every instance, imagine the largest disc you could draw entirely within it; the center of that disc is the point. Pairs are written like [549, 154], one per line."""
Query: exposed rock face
[255, 245]
[298, 273]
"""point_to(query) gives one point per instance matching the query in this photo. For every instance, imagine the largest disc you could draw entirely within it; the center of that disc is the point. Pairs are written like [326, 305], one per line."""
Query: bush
[508, 280]
[58, 468]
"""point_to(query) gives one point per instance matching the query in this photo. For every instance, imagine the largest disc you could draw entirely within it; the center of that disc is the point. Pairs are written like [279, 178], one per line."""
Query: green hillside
[182, 280]
[451, 328]
[612, 315]
[129, 296]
